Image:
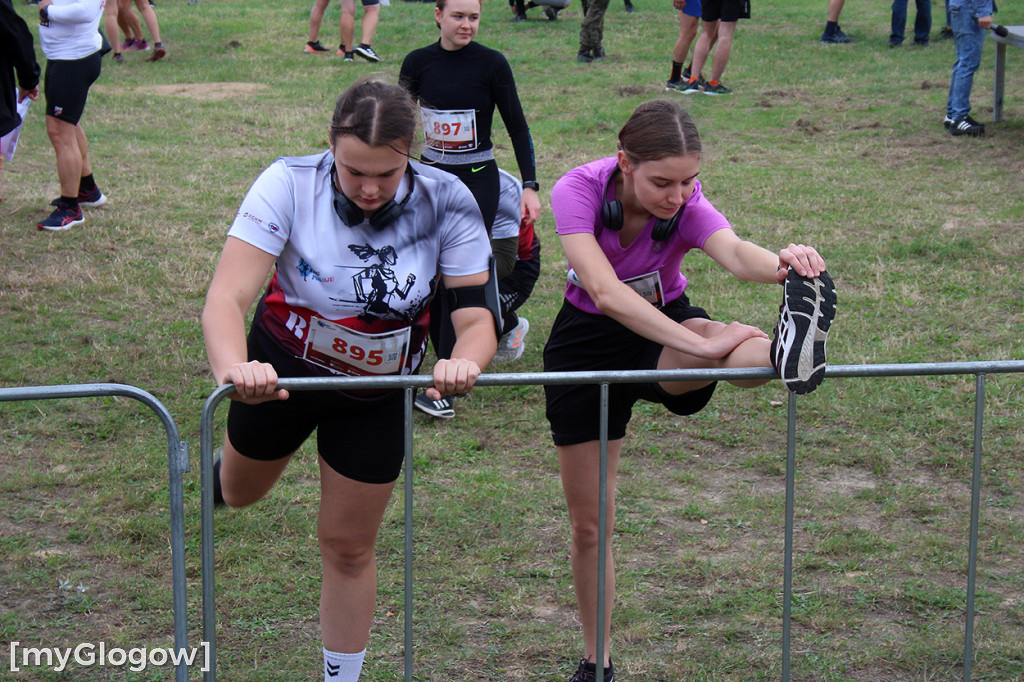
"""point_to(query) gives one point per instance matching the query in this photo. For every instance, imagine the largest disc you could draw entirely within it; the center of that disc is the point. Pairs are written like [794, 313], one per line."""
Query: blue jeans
[970, 38]
[922, 23]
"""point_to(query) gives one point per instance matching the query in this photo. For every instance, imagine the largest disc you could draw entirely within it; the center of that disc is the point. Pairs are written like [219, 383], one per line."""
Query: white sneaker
[512, 345]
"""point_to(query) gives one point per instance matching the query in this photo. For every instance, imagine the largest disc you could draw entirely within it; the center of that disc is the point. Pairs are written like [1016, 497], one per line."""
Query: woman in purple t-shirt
[625, 224]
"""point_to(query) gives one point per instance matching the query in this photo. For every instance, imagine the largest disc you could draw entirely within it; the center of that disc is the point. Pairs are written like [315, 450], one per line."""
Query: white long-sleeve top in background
[73, 32]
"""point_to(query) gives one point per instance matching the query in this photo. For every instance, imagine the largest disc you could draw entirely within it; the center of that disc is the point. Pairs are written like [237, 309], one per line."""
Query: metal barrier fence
[177, 464]
[410, 383]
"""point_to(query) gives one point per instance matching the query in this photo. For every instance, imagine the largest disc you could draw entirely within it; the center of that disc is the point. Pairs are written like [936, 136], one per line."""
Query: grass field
[838, 146]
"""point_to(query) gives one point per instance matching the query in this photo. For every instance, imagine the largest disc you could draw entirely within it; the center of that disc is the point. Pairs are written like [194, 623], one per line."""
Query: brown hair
[378, 113]
[657, 129]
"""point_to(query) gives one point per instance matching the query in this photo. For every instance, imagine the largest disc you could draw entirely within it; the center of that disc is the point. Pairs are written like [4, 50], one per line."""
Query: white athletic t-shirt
[369, 281]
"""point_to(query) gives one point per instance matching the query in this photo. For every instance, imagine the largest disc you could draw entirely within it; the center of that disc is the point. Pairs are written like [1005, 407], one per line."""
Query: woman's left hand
[529, 206]
[453, 377]
[804, 259]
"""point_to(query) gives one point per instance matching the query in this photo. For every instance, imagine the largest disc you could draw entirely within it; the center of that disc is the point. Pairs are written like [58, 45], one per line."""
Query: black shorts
[583, 341]
[726, 10]
[67, 84]
[360, 438]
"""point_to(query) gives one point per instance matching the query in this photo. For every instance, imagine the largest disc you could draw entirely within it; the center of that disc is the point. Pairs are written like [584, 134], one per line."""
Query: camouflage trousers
[592, 28]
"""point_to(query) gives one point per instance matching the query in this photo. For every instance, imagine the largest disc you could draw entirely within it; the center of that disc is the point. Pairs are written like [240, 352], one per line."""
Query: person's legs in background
[899, 22]
[970, 40]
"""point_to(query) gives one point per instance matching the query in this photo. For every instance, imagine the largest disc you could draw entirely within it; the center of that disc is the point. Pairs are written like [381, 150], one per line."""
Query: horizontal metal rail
[177, 464]
[409, 383]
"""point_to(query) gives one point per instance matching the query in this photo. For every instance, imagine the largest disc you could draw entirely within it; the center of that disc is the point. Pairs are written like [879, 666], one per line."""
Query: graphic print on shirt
[375, 284]
[347, 350]
[307, 271]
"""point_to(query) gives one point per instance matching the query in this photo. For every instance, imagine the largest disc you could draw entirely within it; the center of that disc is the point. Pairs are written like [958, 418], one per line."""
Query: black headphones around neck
[612, 217]
[352, 215]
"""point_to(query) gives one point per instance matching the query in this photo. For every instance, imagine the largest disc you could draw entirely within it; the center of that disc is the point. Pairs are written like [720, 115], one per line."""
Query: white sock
[342, 667]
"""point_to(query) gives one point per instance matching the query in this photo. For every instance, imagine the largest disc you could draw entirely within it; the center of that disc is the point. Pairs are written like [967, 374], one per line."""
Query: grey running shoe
[512, 345]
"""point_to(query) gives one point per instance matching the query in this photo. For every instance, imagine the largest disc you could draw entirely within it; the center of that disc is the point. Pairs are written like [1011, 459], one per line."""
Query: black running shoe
[717, 89]
[967, 126]
[443, 408]
[366, 52]
[587, 672]
[835, 37]
[947, 122]
[798, 349]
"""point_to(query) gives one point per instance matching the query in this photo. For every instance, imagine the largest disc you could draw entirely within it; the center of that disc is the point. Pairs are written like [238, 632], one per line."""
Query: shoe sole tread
[809, 304]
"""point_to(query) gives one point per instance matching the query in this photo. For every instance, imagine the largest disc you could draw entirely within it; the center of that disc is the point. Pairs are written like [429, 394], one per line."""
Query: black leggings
[483, 181]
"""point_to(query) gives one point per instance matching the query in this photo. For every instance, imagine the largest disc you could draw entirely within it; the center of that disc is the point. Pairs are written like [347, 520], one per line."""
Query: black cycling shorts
[67, 84]
[582, 341]
[726, 10]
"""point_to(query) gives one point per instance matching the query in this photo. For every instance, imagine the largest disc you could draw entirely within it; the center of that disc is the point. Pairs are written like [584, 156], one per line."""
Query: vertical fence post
[972, 552]
[206, 528]
[787, 577]
[602, 529]
[177, 492]
[410, 393]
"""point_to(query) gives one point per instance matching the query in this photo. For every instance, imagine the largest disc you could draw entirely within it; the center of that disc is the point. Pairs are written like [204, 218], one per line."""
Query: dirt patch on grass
[199, 91]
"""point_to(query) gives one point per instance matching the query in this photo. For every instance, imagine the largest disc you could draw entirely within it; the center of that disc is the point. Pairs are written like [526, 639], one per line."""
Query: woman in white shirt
[69, 36]
[358, 239]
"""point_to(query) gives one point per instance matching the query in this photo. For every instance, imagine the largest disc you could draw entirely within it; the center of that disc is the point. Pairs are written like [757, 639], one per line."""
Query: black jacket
[18, 64]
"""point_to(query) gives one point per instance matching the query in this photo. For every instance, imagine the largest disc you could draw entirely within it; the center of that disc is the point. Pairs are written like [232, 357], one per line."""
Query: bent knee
[238, 498]
[347, 554]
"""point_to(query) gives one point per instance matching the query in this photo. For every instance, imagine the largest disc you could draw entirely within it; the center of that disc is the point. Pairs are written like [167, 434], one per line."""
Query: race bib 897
[449, 130]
